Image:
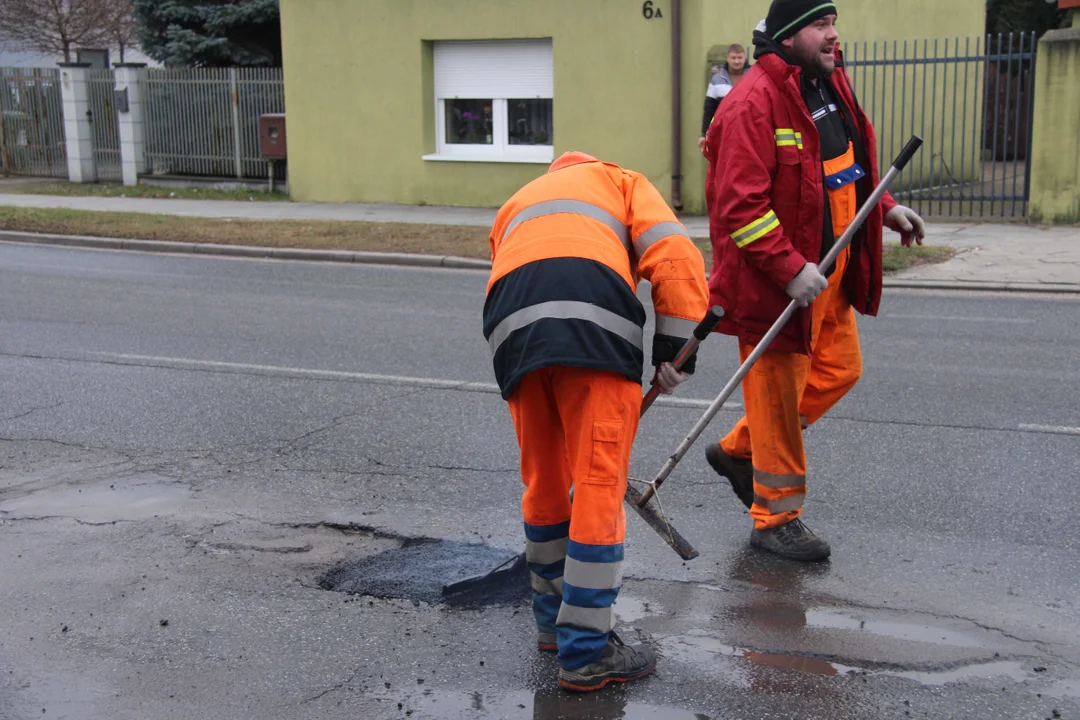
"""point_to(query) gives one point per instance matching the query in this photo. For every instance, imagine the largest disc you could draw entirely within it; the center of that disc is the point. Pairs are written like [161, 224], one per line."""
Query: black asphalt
[200, 441]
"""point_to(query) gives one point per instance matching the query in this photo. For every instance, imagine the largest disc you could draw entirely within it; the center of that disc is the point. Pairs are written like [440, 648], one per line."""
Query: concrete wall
[1055, 153]
[359, 92]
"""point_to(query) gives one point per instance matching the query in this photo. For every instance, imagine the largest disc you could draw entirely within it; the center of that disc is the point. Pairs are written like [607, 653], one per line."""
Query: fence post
[1055, 177]
[5, 161]
[75, 88]
[131, 78]
[234, 95]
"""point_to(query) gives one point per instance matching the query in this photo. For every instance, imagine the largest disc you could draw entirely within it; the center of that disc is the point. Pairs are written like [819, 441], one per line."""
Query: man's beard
[810, 60]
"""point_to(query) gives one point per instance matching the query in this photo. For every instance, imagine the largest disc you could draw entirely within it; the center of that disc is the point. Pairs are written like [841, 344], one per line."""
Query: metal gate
[206, 121]
[104, 125]
[971, 100]
[32, 123]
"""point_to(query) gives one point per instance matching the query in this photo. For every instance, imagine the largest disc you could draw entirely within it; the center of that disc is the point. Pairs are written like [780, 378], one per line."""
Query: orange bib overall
[786, 392]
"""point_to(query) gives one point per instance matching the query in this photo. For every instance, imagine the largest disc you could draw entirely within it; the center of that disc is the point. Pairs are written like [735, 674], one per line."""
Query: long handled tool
[516, 565]
[639, 501]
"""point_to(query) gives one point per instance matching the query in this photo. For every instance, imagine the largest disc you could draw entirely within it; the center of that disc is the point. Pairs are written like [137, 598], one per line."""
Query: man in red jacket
[791, 157]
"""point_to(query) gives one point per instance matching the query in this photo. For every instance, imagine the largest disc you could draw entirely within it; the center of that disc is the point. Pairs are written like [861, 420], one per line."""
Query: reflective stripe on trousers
[575, 428]
[545, 552]
[784, 393]
[590, 585]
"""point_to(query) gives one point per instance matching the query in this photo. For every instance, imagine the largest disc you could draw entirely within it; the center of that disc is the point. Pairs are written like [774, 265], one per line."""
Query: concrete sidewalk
[991, 257]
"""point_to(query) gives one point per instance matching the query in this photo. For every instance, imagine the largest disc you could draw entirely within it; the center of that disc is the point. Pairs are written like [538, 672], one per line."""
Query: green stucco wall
[359, 91]
[1055, 153]
[359, 95]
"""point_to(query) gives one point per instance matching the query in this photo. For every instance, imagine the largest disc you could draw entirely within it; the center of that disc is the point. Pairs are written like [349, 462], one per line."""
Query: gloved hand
[807, 285]
[668, 378]
[907, 222]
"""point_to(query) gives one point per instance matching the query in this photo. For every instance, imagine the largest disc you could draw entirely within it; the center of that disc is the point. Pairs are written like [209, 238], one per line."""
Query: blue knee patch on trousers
[546, 611]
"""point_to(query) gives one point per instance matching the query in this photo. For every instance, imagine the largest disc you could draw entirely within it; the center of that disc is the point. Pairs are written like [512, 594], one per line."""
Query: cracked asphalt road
[187, 446]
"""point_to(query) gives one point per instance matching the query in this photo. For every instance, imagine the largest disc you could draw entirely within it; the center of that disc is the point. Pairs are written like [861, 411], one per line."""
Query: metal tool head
[660, 524]
[514, 569]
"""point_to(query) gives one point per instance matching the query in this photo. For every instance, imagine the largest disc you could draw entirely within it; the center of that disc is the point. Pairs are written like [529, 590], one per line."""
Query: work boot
[792, 540]
[547, 641]
[739, 472]
[618, 664]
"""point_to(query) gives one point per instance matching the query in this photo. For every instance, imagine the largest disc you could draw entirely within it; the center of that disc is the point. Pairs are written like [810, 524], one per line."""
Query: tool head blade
[660, 524]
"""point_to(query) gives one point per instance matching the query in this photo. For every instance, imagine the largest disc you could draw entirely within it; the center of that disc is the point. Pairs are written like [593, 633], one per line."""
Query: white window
[493, 101]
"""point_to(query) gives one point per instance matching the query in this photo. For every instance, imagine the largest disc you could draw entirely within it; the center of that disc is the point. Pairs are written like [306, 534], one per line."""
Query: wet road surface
[188, 446]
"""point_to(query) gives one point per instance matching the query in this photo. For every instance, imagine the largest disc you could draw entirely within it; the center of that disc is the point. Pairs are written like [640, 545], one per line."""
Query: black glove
[666, 347]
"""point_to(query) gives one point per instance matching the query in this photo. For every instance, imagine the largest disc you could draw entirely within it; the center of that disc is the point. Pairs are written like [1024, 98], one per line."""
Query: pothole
[421, 570]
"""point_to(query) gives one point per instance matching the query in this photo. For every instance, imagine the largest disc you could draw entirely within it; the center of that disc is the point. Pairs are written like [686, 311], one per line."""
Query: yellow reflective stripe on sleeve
[757, 229]
[787, 137]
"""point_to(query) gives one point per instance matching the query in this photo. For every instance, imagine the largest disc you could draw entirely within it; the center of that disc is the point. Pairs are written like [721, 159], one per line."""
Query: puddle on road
[698, 650]
[836, 620]
[100, 503]
[629, 609]
[420, 569]
[701, 650]
[546, 705]
[1064, 689]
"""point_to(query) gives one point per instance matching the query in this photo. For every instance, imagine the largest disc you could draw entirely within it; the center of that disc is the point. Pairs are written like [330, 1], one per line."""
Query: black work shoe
[793, 541]
[620, 663]
[739, 472]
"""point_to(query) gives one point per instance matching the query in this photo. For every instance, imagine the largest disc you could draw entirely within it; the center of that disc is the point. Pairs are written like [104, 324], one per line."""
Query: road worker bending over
[791, 157]
[566, 334]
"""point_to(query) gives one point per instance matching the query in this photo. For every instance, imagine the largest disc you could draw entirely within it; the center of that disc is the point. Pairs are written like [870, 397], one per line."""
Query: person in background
[724, 79]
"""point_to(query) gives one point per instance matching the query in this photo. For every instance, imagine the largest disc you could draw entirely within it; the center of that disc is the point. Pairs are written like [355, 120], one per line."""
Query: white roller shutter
[484, 69]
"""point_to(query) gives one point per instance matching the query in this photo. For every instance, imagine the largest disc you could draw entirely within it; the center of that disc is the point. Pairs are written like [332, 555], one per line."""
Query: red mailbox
[272, 136]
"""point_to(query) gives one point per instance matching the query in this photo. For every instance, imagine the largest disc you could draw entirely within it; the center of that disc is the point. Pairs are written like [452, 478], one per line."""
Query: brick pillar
[75, 90]
[131, 79]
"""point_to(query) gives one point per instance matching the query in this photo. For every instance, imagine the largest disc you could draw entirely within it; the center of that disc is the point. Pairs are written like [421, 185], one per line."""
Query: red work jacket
[766, 198]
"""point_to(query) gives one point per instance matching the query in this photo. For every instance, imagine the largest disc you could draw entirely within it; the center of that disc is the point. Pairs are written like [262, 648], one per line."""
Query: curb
[247, 251]
[981, 286]
[433, 261]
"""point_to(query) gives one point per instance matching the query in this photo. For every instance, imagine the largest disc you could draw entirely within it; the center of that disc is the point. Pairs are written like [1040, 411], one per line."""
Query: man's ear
[788, 42]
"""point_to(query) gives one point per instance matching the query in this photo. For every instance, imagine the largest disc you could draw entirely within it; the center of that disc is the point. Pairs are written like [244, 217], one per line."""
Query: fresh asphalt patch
[421, 569]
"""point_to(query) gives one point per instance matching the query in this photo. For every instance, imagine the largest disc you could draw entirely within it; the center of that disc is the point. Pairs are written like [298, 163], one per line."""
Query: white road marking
[375, 379]
[1052, 429]
[966, 318]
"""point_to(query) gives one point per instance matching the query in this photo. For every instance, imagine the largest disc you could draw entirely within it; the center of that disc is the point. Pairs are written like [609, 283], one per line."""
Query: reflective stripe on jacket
[766, 199]
[567, 252]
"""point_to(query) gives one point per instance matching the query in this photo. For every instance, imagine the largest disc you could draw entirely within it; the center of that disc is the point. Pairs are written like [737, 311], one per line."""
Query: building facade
[461, 103]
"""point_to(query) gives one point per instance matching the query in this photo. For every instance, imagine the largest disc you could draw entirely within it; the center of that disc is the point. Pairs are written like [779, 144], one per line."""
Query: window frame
[500, 149]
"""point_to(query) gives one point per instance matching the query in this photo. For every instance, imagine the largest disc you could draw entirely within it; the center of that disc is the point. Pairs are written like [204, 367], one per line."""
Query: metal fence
[104, 124]
[971, 100]
[32, 123]
[206, 121]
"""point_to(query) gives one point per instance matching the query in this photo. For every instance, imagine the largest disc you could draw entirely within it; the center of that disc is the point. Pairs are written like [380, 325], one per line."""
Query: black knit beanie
[787, 17]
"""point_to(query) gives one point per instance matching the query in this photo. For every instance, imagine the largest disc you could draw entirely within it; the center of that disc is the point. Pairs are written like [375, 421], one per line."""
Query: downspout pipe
[676, 105]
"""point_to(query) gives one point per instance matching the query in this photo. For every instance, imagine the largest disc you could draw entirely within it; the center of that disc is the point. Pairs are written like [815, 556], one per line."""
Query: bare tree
[123, 31]
[57, 26]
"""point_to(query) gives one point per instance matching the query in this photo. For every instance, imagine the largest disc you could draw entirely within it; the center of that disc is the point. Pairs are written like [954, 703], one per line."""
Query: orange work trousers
[575, 428]
[786, 392]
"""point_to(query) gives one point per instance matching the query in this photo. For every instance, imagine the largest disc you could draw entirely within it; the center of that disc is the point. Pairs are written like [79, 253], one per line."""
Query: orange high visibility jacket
[567, 252]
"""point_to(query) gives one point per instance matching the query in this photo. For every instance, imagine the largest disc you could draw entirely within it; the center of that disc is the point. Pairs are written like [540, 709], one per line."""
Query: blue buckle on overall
[844, 177]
